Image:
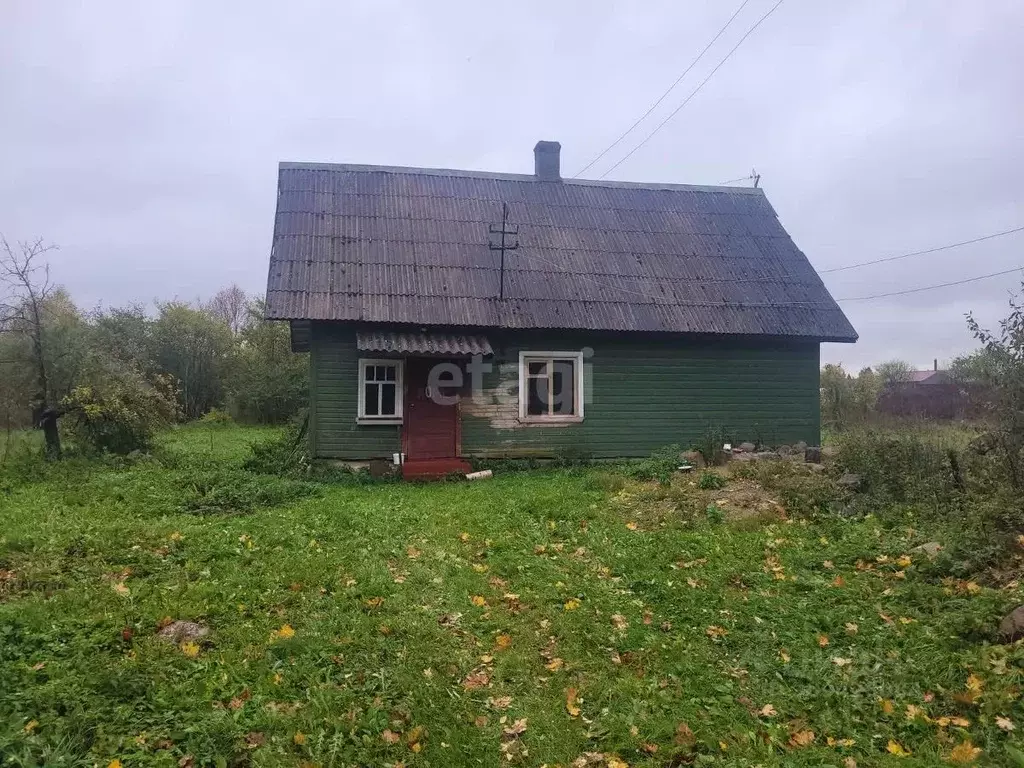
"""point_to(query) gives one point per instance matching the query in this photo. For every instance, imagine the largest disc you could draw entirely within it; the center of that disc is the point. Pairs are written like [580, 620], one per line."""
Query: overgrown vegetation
[587, 612]
[107, 374]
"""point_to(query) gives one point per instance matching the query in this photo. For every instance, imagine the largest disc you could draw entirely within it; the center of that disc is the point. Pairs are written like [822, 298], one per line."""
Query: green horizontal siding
[648, 393]
[334, 369]
[645, 393]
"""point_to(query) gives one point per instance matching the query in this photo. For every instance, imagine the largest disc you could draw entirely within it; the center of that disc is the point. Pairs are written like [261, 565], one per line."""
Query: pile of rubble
[800, 451]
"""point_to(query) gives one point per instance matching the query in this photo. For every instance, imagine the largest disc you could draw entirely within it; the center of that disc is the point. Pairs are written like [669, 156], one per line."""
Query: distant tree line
[113, 376]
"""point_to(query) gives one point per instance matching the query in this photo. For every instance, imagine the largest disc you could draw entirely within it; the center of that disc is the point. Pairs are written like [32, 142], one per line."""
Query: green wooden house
[458, 314]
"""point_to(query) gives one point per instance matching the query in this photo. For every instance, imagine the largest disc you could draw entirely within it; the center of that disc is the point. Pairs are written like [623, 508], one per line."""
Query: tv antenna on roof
[505, 230]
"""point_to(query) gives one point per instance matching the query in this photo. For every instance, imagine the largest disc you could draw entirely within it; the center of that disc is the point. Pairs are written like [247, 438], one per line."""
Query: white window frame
[548, 356]
[397, 418]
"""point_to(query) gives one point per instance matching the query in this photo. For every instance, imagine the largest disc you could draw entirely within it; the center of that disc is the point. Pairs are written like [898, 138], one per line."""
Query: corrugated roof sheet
[423, 343]
[407, 245]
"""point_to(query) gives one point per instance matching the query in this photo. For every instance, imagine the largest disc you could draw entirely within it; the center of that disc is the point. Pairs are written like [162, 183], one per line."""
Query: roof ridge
[519, 177]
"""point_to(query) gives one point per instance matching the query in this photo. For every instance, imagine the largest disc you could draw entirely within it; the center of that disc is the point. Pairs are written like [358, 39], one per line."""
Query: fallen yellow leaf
[190, 649]
[716, 632]
[1004, 723]
[903, 561]
[479, 601]
[631, 525]
[767, 711]
[802, 738]
[614, 762]
[554, 665]
[571, 605]
[299, 739]
[822, 640]
[894, 748]
[832, 742]
[502, 641]
[115, 763]
[284, 633]
[30, 726]
[851, 628]
[887, 706]
[571, 702]
[964, 753]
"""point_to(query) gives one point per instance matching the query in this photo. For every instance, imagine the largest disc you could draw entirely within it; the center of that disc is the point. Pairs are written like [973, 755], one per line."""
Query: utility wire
[733, 181]
[695, 90]
[921, 253]
[933, 287]
[661, 98]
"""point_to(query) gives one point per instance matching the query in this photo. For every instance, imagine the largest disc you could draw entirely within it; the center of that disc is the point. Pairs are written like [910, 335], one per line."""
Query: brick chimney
[546, 161]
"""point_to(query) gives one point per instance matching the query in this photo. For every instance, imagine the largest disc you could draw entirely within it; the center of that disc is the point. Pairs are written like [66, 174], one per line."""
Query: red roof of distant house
[920, 377]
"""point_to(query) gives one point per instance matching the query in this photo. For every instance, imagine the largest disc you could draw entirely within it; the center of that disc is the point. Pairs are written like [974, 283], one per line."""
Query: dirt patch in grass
[742, 499]
[651, 504]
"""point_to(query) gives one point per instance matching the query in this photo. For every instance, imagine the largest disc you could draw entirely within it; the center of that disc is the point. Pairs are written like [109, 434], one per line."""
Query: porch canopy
[437, 344]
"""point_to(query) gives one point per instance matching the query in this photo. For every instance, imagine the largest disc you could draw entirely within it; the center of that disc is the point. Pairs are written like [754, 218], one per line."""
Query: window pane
[370, 393]
[387, 395]
[536, 368]
[537, 396]
[389, 372]
[563, 391]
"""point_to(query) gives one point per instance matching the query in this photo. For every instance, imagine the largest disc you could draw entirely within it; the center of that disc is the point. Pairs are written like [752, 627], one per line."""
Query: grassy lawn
[532, 619]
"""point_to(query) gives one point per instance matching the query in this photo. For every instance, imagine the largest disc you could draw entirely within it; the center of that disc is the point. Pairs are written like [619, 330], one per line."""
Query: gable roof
[380, 244]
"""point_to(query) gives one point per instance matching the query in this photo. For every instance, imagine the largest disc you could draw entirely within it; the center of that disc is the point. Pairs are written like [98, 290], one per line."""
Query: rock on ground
[695, 458]
[747, 447]
[183, 631]
[929, 548]
[1011, 628]
[812, 455]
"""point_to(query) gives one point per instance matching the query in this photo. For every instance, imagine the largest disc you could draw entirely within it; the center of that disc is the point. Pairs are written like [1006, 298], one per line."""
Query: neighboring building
[619, 318]
[929, 394]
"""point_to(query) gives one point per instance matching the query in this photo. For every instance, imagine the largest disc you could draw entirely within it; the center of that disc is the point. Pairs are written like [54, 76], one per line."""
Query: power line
[921, 253]
[695, 90]
[661, 98]
[933, 287]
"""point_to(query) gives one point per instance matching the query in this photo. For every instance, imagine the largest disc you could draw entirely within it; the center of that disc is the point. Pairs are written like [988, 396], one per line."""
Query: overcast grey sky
[143, 138]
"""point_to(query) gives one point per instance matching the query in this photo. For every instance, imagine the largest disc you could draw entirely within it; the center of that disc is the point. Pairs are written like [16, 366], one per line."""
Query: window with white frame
[551, 386]
[380, 391]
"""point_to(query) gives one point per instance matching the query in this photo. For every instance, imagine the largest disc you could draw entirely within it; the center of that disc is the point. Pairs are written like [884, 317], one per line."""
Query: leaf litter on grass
[609, 609]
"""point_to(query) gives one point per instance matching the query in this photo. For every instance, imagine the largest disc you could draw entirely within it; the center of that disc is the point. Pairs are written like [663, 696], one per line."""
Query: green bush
[898, 467]
[709, 481]
[234, 492]
[287, 454]
[658, 466]
[121, 413]
[216, 417]
[710, 445]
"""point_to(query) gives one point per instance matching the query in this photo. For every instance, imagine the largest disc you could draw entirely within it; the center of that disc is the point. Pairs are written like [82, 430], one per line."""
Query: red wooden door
[431, 427]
